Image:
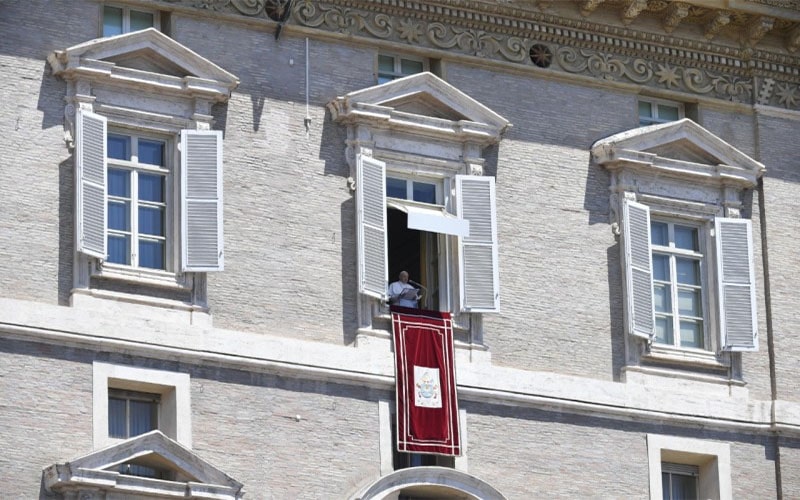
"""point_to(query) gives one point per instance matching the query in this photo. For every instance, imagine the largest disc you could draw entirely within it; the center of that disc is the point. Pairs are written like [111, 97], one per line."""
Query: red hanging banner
[427, 405]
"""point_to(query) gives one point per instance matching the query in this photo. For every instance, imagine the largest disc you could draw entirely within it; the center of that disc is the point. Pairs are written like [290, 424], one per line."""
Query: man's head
[404, 276]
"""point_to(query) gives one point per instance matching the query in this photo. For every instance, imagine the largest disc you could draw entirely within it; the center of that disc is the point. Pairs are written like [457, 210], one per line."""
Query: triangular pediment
[146, 56]
[417, 99]
[681, 145]
[129, 464]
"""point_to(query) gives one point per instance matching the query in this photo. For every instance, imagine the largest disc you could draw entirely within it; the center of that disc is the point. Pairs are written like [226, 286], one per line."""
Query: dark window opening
[131, 413]
[416, 252]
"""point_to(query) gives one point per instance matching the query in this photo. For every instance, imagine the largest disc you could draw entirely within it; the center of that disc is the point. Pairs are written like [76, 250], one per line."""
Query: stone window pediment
[146, 57]
[182, 472]
[680, 149]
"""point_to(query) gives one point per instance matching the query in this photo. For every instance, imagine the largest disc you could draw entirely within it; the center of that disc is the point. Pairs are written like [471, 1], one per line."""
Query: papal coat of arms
[427, 389]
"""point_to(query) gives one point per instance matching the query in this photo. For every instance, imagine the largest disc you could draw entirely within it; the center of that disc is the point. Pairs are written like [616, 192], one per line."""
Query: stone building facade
[205, 199]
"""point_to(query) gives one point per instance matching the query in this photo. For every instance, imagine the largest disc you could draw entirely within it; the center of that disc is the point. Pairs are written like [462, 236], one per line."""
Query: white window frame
[398, 61]
[655, 103]
[703, 234]
[126, 17]
[175, 416]
[712, 457]
[170, 195]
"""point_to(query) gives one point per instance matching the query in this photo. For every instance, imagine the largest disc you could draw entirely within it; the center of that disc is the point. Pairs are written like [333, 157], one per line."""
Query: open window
[687, 252]
[423, 205]
[148, 177]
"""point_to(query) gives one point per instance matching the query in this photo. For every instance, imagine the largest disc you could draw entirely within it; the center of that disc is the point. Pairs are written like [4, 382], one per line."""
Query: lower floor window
[131, 413]
[679, 481]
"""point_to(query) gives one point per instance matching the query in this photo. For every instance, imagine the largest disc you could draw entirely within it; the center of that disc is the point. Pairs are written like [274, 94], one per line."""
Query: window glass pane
[119, 147]
[141, 20]
[691, 334]
[667, 112]
[151, 152]
[116, 418]
[151, 254]
[119, 183]
[683, 487]
[396, 188]
[660, 267]
[151, 220]
[661, 298]
[665, 486]
[408, 67]
[142, 417]
[119, 249]
[689, 303]
[151, 187]
[659, 234]
[664, 330]
[686, 238]
[645, 110]
[385, 64]
[688, 271]
[112, 21]
[424, 192]
[119, 215]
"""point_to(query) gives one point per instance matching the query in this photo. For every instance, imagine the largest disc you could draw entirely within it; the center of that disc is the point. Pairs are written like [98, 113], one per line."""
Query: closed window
[679, 481]
[678, 266]
[658, 111]
[118, 20]
[127, 203]
[131, 413]
[391, 67]
[138, 182]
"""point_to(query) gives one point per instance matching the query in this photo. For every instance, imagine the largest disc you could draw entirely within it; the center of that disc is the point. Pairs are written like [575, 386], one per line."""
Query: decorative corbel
[676, 12]
[632, 9]
[719, 21]
[757, 28]
[793, 40]
[589, 6]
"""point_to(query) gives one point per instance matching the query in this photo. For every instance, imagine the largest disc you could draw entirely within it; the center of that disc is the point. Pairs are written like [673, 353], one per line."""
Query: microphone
[415, 283]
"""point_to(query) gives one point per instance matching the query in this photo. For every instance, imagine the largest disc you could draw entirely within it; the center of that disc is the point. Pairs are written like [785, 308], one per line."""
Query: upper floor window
[138, 180]
[678, 265]
[391, 67]
[659, 111]
[118, 20]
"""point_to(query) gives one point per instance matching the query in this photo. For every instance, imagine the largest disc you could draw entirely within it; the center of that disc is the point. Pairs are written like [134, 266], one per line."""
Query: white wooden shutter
[736, 278]
[90, 175]
[479, 274]
[201, 201]
[373, 270]
[638, 264]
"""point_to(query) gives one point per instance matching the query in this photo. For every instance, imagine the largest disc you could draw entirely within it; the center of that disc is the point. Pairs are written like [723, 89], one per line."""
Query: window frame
[702, 255]
[713, 459]
[175, 418]
[127, 396]
[126, 18]
[397, 70]
[171, 199]
[655, 103]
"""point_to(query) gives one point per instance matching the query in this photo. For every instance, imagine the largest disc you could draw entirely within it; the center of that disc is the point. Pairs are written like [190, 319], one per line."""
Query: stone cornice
[746, 71]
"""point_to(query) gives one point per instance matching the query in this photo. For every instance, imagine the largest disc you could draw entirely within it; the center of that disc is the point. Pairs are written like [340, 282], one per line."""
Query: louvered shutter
[736, 277]
[638, 269]
[90, 175]
[201, 201]
[371, 216]
[479, 274]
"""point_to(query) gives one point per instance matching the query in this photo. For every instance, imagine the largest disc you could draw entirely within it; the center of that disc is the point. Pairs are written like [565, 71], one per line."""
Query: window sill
[693, 357]
[142, 276]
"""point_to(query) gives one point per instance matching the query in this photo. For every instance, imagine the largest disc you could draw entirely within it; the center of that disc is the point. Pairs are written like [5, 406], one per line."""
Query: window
[658, 111]
[679, 481]
[125, 201]
[128, 402]
[400, 232]
[392, 67]
[685, 468]
[677, 284]
[119, 20]
[138, 181]
[131, 413]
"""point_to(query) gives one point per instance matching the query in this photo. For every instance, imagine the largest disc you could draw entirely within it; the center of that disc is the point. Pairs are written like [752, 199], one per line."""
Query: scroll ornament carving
[638, 70]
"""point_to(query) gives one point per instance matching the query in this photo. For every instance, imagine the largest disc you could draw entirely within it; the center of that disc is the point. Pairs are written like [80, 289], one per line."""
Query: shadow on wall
[66, 229]
[52, 91]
